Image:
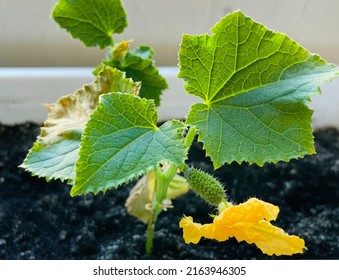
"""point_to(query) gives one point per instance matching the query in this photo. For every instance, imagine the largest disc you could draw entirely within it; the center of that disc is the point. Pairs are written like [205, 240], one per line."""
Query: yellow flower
[248, 221]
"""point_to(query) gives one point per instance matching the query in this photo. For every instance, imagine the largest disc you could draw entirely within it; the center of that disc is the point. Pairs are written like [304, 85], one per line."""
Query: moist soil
[39, 220]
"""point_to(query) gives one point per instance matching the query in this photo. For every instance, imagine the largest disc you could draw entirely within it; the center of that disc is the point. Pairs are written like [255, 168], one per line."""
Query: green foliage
[139, 66]
[256, 85]
[55, 152]
[93, 22]
[121, 142]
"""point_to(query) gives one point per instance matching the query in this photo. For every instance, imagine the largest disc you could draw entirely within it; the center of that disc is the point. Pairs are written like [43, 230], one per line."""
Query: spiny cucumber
[205, 185]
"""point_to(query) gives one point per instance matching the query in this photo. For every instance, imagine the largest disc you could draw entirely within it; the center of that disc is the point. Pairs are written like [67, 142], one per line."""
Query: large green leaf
[93, 22]
[55, 152]
[256, 85]
[121, 141]
[139, 66]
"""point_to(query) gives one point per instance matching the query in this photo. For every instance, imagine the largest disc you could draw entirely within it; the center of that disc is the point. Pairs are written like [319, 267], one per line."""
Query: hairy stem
[163, 178]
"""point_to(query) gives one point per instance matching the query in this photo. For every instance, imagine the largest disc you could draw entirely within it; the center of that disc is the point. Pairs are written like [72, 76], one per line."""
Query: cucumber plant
[254, 85]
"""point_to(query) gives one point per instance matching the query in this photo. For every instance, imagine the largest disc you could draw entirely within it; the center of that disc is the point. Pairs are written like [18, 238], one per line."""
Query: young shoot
[254, 86]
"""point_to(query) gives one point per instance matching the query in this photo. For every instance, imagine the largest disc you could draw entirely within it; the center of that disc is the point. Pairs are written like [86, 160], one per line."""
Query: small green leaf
[139, 66]
[256, 85]
[93, 22]
[190, 136]
[54, 154]
[121, 142]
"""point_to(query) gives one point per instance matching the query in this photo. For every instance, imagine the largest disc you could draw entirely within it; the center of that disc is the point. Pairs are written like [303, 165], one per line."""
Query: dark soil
[39, 220]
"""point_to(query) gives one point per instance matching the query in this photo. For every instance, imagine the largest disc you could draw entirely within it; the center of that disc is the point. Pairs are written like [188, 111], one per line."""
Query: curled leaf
[70, 113]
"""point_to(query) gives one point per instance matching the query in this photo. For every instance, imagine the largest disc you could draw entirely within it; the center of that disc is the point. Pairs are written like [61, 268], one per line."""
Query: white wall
[29, 37]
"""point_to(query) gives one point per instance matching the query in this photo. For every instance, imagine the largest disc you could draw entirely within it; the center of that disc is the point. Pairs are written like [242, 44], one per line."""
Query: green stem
[163, 178]
[149, 234]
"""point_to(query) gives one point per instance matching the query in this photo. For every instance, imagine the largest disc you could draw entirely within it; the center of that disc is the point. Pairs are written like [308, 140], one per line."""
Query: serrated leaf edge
[217, 164]
[47, 177]
[136, 175]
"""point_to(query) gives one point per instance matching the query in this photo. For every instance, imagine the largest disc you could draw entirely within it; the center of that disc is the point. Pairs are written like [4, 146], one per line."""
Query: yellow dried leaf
[138, 198]
[71, 113]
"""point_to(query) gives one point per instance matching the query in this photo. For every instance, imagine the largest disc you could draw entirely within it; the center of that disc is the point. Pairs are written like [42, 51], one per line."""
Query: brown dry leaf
[69, 115]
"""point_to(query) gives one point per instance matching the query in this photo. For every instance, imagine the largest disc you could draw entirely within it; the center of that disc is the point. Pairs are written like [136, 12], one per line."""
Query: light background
[29, 37]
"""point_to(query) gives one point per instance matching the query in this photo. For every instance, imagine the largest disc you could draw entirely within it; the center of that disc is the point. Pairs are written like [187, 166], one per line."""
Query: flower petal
[248, 222]
[251, 211]
[276, 241]
[192, 231]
